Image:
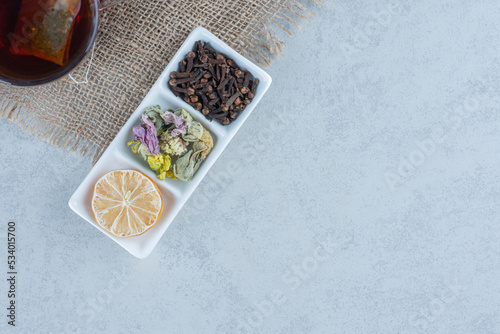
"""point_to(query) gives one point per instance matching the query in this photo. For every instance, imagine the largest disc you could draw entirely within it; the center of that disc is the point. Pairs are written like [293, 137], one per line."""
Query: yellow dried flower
[171, 175]
[160, 163]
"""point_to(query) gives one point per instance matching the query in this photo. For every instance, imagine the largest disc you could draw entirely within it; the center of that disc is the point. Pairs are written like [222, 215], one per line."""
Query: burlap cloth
[135, 43]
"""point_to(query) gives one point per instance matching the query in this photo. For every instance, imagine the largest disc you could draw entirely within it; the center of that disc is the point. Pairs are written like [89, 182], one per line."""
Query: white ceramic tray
[175, 193]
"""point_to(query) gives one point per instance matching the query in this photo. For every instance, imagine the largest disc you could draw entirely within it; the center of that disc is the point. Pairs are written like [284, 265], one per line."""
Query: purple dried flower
[146, 134]
[180, 123]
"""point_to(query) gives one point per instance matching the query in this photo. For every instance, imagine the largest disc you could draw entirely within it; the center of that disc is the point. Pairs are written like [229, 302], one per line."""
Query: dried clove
[175, 82]
[178, 75]
[212, 83]
[197, 76]
[232, 99]
[244, 88]
[188, 91]
[190, 61]
[239, 73]
[213, 102]
[182, 66]
[204, 99]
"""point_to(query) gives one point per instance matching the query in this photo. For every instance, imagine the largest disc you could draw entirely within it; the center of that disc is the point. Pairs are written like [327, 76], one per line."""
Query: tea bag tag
[88, 69]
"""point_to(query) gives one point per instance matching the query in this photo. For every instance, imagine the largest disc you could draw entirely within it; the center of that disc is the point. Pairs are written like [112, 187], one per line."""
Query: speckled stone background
[362, 196]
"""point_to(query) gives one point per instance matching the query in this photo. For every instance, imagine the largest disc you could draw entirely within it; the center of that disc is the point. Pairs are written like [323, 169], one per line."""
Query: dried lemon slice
[126, 203]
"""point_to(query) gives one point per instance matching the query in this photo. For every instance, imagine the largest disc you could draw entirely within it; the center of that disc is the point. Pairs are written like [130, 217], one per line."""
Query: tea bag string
[88, 69]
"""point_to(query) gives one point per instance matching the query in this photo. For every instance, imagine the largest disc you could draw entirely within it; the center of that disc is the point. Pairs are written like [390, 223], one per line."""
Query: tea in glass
[39, 39]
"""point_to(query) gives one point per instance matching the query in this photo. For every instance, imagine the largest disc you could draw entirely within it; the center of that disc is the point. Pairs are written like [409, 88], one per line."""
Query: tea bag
[44, 29]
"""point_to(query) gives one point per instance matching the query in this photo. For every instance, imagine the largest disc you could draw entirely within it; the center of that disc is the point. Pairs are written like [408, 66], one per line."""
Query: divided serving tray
[175, 193]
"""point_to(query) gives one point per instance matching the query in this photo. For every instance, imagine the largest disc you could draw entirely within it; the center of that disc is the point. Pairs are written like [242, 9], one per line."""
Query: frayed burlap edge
[264, 44]
[48, 131]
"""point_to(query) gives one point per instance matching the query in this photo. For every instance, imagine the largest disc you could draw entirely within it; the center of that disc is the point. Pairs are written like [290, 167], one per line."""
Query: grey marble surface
[363, 197]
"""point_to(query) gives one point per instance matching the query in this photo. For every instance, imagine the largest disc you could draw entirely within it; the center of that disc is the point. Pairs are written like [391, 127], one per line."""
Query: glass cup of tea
[43, 40]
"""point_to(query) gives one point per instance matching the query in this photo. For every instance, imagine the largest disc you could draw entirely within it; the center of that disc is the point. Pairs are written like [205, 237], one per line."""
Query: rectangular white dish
[175, 193]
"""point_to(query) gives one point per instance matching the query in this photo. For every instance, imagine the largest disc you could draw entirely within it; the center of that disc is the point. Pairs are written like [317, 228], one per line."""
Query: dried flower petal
[183, 112]
[187, 165]
[146, 134]
[154, 114]
[179, 122]
[139, 148]
[194, 132]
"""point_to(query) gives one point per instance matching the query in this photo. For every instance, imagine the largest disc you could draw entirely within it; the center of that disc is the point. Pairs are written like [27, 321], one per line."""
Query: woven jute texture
[135, 43]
